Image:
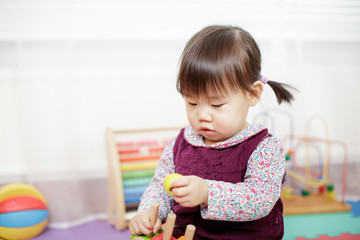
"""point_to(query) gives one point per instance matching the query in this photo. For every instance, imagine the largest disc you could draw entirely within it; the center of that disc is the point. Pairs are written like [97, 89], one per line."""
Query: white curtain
[69, 69]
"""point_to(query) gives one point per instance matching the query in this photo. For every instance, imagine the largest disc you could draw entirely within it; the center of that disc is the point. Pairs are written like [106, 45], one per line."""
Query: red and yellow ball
[23, 211]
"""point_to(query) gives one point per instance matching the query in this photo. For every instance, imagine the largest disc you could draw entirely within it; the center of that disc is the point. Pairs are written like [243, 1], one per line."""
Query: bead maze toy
[317, 194]
[132, 159]
[166, 232]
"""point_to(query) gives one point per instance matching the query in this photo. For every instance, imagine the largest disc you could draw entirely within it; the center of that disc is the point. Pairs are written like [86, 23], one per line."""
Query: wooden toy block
[189, 232]
[154, 209]
[169, 227]
[153, 212]
[161, 237]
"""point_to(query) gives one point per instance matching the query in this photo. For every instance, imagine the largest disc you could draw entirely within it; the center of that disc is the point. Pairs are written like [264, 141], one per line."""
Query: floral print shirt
[244, 201]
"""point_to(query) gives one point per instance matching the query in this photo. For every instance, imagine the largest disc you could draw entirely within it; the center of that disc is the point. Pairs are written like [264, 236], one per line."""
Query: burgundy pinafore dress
[227, 165]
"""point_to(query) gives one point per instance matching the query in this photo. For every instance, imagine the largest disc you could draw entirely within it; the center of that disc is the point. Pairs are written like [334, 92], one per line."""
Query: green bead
[305, 192]
[330, 187]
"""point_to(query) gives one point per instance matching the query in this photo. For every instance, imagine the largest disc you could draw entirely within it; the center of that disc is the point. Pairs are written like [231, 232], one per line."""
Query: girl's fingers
[134, 230]
[145, 226]
[184, 203]
[144, 230]
[141, 224]
[180, 182]
[181, 191]
[146, 223]
[181, 200]
[157, 225]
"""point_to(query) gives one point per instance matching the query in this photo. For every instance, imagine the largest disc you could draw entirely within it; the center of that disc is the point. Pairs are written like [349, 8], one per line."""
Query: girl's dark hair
[219, 58]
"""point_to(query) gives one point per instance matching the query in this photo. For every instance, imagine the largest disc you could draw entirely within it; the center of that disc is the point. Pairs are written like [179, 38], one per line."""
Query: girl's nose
[204, 116]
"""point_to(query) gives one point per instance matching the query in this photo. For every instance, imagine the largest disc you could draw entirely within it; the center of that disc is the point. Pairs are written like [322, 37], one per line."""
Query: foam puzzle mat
[344, 225]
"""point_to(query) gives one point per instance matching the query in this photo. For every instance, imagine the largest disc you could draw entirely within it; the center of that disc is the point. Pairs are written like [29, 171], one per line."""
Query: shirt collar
[195, 139]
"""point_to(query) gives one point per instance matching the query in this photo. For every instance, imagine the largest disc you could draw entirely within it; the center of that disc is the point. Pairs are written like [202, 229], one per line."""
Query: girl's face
[218, 118]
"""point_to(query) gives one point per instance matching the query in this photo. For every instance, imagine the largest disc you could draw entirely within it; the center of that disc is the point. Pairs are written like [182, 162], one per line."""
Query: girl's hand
[190, 191]
[140, 224]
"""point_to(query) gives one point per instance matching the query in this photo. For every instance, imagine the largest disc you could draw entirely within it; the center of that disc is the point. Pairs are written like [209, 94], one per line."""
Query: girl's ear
[254, 97]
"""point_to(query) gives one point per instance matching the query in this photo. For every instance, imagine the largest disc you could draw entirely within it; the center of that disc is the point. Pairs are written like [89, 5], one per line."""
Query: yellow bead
[330, 195]
[287, 193]
[169, 179]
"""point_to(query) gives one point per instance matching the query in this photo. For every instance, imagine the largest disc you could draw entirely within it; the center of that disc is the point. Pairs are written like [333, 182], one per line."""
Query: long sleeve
[256, 196]
[155, 191]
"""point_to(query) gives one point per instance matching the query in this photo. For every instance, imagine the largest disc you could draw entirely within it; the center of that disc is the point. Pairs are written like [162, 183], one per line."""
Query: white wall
[69, 69]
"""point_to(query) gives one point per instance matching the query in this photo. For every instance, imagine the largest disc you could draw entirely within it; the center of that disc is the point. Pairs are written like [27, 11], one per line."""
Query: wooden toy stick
[169, 227]
[189, 232]
[154, 208]
[153, 212]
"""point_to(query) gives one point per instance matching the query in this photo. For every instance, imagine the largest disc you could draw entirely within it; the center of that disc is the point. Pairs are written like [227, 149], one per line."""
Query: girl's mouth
[206, 130]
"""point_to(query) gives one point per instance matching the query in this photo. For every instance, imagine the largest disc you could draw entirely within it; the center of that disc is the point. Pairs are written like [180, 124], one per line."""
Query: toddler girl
[233, 171]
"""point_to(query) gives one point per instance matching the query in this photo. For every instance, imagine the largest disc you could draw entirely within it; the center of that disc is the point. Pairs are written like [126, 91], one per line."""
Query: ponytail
[282, 91]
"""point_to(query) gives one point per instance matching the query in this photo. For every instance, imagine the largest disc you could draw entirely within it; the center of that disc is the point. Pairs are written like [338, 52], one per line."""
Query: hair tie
[263, 79]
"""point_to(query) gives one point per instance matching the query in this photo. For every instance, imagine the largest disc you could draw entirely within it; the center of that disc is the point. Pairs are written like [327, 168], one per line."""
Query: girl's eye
[217, 105]
[192, 104]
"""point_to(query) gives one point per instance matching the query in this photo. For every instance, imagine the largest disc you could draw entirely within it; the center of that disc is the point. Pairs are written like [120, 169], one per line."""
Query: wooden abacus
[132, 159]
